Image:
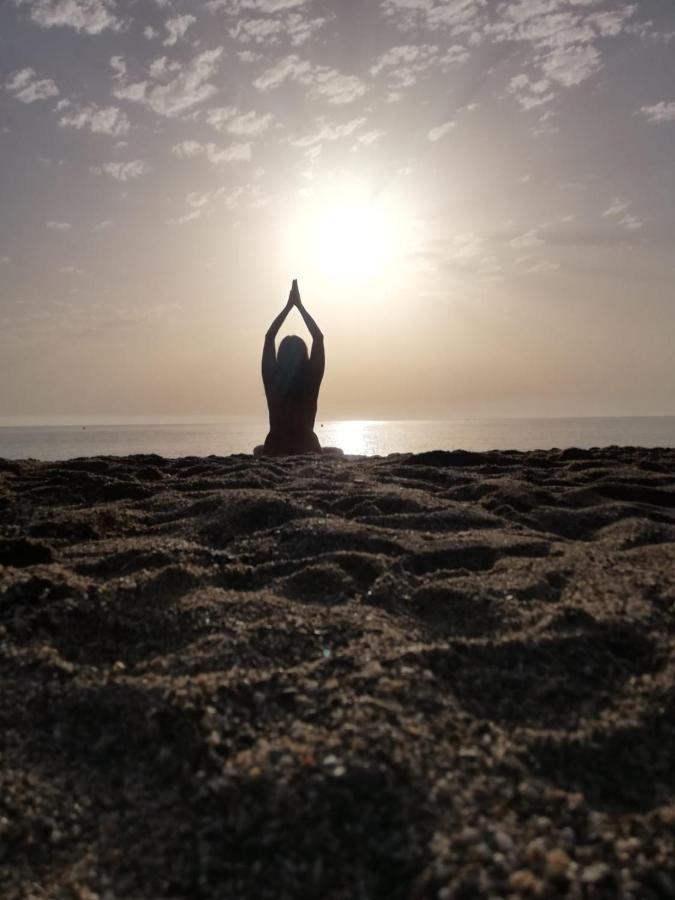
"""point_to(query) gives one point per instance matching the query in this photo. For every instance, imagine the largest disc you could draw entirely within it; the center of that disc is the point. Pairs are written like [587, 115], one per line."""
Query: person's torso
[294, 412]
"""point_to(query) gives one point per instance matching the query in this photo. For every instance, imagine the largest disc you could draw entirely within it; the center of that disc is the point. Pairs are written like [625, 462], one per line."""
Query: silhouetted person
[292, 379]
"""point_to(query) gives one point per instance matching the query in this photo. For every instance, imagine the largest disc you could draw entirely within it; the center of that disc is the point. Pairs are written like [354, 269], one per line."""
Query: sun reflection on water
[355, 437]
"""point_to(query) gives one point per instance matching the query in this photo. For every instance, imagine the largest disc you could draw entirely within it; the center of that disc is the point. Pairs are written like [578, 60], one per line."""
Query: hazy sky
[478, 199]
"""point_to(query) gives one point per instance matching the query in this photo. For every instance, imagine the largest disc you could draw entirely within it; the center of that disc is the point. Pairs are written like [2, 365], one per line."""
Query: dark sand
[448, 675]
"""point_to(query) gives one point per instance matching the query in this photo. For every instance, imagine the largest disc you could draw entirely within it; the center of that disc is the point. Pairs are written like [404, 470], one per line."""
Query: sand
[448, 675]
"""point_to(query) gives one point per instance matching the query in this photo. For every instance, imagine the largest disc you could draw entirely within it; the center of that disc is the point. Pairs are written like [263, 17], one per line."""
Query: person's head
[292, 359]
[292, 352]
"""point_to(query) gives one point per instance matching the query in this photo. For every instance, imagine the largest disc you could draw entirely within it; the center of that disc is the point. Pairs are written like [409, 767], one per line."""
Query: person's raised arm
[269, 354]
[312, 327]
[317, 358]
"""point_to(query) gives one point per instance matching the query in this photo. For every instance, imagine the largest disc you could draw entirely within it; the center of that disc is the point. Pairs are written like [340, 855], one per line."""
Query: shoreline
[445, 674]
[354, 437]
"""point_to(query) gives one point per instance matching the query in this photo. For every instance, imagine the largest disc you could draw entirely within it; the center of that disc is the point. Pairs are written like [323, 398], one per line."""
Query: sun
[345, 232]
[352, 241]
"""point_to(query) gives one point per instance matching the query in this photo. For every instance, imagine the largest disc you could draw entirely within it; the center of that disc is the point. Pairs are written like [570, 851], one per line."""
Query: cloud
[24, 85]
[134, 92]
[219, 116]
[403, 54]
[563, 33]
[99, 119]
[198, 200]
[457, 16]
[271, 6]
[545, 124]
[465, 246]
[5, 260]
[527, 240]
[89, 318]
[214, 154]
[200, 205]
[161, 67]
[435, 134]
[630, 222]
[465, 252]
[403, 64]
[323, 82]
[186, 149]
[235, 7]
[646, 31]
[562, 36]
[267, 22]
[619, 207]
[454, 56]
[291, 67]
[90, 16]
[293, 27]
[122, 171]
[190, 216]
[177, 28]
[250, 124]
[105, 223]
[233, 153]
[570, 66]
[334, 87]
[530, 94]
[659, 112]
[611, 24]
[247, 195]
[558, 23]
[368, 138]
[59, 226]
[616, 207]
[228, 118]
[189, 87]
[535, 268]
[119, 66]
[326, 130]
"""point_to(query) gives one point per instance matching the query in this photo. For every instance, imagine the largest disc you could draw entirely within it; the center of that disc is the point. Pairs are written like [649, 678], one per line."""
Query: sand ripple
[443, 675]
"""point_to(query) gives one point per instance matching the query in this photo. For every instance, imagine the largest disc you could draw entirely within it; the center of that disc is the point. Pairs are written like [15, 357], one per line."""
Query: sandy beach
[443, 675]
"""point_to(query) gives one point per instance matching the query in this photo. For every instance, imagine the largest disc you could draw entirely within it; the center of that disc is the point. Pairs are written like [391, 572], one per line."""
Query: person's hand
[294, 296]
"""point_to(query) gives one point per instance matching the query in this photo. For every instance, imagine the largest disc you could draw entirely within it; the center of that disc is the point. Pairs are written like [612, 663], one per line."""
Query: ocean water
[372, 438]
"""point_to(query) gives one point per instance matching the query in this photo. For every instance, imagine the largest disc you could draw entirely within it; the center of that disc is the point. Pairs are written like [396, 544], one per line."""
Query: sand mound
[444, 675]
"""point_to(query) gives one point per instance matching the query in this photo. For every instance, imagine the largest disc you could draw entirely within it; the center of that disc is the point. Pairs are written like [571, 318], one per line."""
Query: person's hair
[291, 370]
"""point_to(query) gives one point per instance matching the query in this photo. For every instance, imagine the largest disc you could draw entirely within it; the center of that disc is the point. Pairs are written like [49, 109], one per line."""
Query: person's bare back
[292, 379]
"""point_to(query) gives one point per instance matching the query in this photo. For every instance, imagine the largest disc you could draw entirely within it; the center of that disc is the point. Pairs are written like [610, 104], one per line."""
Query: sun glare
[354, 241]
[344, 234]
[353, 436]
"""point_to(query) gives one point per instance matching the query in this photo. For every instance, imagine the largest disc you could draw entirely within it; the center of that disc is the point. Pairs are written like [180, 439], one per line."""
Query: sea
[358, 437]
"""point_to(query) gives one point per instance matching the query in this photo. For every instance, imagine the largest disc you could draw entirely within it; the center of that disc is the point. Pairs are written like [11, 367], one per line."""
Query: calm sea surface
[357, 437]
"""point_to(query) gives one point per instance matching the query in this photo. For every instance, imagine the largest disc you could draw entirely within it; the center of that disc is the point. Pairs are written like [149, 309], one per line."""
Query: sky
[477, 197]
